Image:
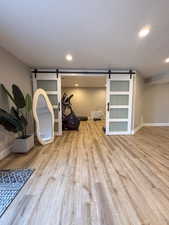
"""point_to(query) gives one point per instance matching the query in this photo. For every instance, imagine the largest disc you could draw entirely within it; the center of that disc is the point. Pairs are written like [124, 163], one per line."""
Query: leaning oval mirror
[44, 117]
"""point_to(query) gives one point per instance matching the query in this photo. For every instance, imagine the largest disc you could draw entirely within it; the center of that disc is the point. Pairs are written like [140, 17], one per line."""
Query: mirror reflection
[44, 117]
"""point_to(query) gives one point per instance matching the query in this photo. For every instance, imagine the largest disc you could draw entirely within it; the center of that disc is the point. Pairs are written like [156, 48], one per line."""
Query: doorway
[89, 96]
[118, 108]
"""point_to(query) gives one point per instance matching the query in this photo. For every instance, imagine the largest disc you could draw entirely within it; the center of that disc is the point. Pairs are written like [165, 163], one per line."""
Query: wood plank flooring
[87, 178]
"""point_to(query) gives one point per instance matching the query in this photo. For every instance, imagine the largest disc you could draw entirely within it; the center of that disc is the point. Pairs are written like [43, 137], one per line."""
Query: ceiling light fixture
[69, 57]
[144, 32]
[76, 85]
[167, 60]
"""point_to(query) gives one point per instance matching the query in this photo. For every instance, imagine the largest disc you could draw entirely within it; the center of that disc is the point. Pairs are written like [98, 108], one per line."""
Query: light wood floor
[87, 178]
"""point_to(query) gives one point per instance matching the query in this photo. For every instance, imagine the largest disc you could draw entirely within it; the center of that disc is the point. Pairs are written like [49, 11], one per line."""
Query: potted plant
[17, 119]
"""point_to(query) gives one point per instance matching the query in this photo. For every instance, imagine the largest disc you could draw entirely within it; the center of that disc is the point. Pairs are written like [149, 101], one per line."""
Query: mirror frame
[36, 96]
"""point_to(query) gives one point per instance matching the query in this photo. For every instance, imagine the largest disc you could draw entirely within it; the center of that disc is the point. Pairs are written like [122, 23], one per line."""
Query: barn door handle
[108, 106]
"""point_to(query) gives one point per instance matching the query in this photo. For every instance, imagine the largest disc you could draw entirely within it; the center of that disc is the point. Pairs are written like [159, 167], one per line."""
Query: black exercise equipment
[69, 120]
[83, 118]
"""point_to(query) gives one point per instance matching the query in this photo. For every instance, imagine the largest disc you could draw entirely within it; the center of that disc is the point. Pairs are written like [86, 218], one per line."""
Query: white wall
[86, 100]
[12, 71]
[156, 103]
[151, 102]
[138, 101]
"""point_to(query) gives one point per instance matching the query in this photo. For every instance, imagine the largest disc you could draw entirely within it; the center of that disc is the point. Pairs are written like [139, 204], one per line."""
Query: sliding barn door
[119, 104]
[51, 83]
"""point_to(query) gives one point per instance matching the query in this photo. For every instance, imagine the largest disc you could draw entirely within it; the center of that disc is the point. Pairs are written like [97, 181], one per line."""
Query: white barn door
[119, 104]
[51, 83]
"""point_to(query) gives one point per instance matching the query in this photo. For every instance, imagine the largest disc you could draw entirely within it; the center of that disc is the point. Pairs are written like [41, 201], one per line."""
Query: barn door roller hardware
[57, 73]
[109, 74]
[61, 71]
[130, 72]
[35, 71]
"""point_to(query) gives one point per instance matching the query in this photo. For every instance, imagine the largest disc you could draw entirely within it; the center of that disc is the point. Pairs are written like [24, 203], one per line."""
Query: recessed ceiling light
[69, 57]
[144, 32]
[76, 85]
[167, 60]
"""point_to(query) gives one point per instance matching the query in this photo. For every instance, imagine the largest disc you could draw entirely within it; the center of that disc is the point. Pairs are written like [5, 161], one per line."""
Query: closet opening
[88, 100]
[108, 97]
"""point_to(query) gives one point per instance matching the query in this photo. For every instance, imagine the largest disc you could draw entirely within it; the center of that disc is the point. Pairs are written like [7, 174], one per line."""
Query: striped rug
[11, 182]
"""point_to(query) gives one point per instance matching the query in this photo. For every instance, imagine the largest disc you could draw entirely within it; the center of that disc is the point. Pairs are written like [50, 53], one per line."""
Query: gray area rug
[11, 182]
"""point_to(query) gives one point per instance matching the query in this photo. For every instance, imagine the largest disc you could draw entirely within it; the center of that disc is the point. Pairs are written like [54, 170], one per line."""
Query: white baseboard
[137, 128]
[150, 125]
[156, 124]
[5, 152]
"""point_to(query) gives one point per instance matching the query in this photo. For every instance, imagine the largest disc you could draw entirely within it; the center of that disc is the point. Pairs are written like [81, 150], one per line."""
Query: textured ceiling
[98, 33]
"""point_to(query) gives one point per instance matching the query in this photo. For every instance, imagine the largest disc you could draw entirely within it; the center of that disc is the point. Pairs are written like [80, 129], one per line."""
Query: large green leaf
[8, 93]
[10, 122]
[18, 97]
[19, 116]
[28, 101]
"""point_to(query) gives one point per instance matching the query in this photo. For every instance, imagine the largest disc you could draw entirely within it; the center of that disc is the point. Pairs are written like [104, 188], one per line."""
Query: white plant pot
[23, 145]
